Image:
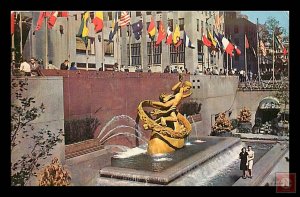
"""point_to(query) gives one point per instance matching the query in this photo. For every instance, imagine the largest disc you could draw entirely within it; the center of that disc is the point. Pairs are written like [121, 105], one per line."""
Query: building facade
[61, 43]
[236, 27]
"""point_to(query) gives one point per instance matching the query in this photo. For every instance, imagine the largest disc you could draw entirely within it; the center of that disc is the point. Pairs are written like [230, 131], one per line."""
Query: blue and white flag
[187, 41]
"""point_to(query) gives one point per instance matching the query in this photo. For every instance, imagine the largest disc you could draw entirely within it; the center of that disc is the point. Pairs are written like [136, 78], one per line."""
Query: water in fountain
[117, 118]
[196, 129]
[210, 169]
[124, 133]
[130, 152]
[139, 134]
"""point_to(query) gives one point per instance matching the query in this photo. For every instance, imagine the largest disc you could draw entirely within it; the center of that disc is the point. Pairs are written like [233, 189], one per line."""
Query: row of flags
[217, 42]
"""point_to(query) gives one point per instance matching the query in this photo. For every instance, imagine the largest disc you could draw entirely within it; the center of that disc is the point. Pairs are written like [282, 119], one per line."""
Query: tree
[23, 113]
[283, 95]
[272, 25]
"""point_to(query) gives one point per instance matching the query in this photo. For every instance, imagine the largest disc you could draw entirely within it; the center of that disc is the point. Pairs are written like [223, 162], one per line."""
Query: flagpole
[129, 30]
[68, 39]
[46, 40]
[246, 59]
[257, 36]
[21, 35]
[103, 50]
[273, 57]
[13, 42]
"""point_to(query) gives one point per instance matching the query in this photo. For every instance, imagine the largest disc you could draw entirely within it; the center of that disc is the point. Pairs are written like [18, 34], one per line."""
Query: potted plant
[244, 119]
[222, 126]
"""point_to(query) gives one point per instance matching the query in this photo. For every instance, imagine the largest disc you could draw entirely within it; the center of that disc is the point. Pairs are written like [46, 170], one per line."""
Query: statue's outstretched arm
[176, 86]
[187, 95]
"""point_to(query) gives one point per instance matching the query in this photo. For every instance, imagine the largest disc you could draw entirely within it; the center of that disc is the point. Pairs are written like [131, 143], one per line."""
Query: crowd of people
[33, 67]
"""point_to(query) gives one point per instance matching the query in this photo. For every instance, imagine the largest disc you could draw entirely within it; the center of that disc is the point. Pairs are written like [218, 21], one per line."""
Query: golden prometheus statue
[169, 127]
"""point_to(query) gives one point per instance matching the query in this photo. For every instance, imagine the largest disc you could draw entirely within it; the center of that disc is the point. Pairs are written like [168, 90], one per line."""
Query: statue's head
[187, 85]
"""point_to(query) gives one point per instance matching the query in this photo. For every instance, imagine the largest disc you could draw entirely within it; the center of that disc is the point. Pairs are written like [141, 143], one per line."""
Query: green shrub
[78, 130]
[190, 108]
[234, 123]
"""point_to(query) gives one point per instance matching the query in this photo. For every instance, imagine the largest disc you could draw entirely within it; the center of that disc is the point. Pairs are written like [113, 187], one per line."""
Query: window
[91, 16]
[177, 54]
[200, 51]
[148, 13]
[75, 17]
[135, 54]
[170, 24]
[198, 25]
[157, 24]
[108, 48]
[138, 14]
[80, 46]
[236, 29]
[202, 26]
[181, 24]
[154, 51]
[83, 65]
[158, 12]
[237, 41]
[109, 16]
[205, 13]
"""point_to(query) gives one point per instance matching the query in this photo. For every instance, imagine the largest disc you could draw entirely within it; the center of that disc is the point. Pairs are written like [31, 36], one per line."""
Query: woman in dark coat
[243, 165]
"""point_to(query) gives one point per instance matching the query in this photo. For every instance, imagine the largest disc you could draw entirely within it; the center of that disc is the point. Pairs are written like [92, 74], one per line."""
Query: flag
[246, 42]
[262, 48]
[227, 46]
[169, 36]
[176, 36]
[219, 44]
[253, 51]
[205, 41]
[218, 20]
[98, 21]
[161, 33]
[187, 41]
[284, 51]
[114, 28]
[12, 23]
[40, 21]
[63, 14]
[125, 19]
[152, 29]
[214, 43]
[83, 29]
[137, 29]
[278, 44]
[52, 19]
[238, 51]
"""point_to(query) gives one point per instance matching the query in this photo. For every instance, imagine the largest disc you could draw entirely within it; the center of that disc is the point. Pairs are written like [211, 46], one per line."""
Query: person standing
[243, 164]
[64, 65]
[26, 68]
[250, 159]
[73, 66]
[51, 66]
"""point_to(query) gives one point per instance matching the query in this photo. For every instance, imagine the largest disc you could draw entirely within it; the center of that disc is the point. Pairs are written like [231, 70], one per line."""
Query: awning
[269, 103]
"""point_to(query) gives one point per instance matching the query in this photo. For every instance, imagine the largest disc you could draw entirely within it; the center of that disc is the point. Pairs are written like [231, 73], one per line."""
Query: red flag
[98, 21]
[284, 51]
[40, 21]
[246, 42]
[52, 20]
[169, 37]
[63, 14]
[12, 23]
[205, 41]
[178, 43]
[237, 50]
[161, 33]
[151, 29]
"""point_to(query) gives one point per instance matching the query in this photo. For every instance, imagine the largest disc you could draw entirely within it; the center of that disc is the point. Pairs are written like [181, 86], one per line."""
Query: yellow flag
[212, 39]
[85, 31]
[176, 34]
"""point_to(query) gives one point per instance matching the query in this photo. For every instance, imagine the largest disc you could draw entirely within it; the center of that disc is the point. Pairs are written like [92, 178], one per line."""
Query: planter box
[221, 133]
[245, 127]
